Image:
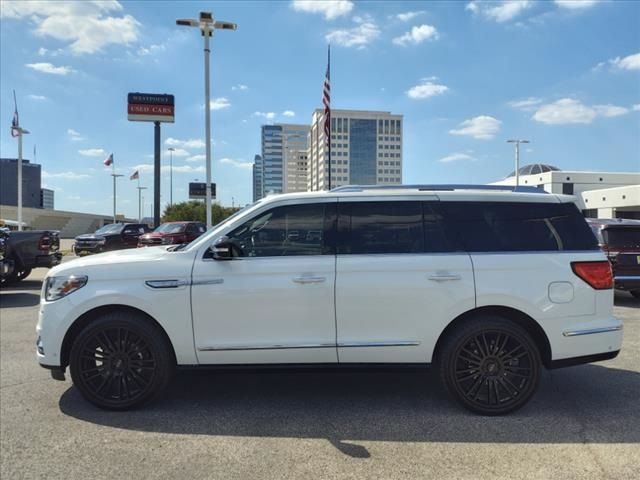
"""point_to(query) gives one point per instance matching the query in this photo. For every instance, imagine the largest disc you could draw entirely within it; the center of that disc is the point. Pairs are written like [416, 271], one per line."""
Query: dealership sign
[150, 107]
[198, 191]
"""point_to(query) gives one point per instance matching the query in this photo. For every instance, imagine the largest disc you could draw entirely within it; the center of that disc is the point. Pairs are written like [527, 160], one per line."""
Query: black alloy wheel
[119, 363]
[490, 365]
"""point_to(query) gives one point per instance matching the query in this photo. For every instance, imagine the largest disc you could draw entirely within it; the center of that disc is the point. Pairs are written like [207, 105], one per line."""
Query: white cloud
[609, 110]
[46, 67]
[417, 35]
[93, 152]
[501, 11]
[456, 157]
[196, 158]
[148, 168]
[191, 143]
[240, 86]
[267, 115]
[219, 103]
[636, 107]
[329, 8]
[37, 97]
[564, 111]
[151, 50]
[236, 163]
[289, 113]
[178, 152]
[42, 51]
[526, 104]
[630, 62]
[406, 16]
[74, 135]
[87, 27]
[482, 127]
[426, 88]
[65, 175]
[359, 36]
[575, 4]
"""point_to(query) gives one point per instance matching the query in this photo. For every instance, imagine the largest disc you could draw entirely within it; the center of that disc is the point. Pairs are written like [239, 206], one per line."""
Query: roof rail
[442, 187]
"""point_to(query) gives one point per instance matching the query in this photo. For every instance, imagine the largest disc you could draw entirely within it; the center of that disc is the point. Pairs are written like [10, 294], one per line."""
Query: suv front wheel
[121, 361]
[490, 365]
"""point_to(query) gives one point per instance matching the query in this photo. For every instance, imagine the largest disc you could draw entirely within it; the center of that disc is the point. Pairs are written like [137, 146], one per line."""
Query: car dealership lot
[584, 421]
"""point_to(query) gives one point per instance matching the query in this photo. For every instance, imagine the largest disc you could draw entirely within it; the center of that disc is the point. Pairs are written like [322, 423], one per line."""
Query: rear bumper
[48, 261]
[627, 282]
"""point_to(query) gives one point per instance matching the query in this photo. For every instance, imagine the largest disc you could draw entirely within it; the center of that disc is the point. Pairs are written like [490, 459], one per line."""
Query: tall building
[283, 164]
[31, 183]
[257, 178]
[47, 197]
[366, 149]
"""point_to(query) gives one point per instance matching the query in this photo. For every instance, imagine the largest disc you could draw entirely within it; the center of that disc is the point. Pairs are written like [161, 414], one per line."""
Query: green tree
[195, 211]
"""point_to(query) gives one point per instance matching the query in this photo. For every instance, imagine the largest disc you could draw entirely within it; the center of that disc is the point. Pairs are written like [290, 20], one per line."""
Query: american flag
[108, 161]
[15, 124]
[326, 99]
[135, 175]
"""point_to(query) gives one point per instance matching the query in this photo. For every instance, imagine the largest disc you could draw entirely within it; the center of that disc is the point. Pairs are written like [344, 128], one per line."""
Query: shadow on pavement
[19, 299]
[23, 285]
[625, 299]
[589, 403]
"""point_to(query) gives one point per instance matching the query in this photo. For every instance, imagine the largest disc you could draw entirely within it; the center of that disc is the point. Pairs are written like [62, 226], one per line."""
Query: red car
[172, 233]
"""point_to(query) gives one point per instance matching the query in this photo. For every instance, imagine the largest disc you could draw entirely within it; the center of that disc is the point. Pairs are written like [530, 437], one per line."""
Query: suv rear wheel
[121, 361]
[490, 365]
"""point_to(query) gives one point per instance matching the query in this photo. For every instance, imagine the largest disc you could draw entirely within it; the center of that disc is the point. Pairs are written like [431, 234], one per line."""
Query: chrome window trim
[591, 331]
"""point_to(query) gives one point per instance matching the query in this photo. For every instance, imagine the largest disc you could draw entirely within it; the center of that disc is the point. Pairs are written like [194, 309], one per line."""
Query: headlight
[58, 287]
[167, 240]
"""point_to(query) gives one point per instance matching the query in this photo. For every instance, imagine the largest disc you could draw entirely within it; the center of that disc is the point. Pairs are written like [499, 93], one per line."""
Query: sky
[466, 75]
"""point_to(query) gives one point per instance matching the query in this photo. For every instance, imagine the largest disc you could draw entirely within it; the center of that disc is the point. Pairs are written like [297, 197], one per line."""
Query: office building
[366, 149]
[47, 198]
[598, 194]
[282, 161]
[31, 183]
[257, 178]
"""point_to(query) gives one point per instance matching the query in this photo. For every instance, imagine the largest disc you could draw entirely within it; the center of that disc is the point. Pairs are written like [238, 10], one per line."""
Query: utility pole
[207, 25]
[517, 142]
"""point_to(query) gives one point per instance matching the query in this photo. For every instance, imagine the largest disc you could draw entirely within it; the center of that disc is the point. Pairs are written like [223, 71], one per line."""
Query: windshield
[111, 228]
[171, 228]
[622, 237]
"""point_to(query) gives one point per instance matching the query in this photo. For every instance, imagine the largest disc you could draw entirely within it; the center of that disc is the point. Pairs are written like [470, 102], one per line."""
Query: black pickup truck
[6, 264]
[31, 249]
[114, 236]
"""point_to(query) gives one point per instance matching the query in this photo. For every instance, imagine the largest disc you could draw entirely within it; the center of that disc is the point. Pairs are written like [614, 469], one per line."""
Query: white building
[366, 149]
[599, 194]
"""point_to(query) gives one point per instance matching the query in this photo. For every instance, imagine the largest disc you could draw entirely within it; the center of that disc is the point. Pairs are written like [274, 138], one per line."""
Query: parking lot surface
[584, 422]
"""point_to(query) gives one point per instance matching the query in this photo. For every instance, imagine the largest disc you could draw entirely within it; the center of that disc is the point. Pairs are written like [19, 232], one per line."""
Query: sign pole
[156, 174]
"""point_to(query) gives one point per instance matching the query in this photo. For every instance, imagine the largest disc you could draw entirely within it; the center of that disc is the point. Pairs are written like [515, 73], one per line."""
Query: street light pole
[140, 201]
[21, 131]
[207, 25]
[171, 150]
[115, 176]
[517, 142]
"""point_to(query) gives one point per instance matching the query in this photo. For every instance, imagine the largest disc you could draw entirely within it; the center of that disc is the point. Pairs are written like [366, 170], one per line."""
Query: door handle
[305, 280]
[444, 277]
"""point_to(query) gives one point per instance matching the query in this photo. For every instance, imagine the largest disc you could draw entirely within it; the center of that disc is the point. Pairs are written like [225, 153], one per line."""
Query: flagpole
[115, 177]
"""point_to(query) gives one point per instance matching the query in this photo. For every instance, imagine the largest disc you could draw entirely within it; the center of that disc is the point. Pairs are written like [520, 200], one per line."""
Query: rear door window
[519, 226]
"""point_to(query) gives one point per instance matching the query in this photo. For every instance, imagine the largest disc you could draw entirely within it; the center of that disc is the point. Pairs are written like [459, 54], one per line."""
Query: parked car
[488, 286]
[172, 233]
[6, 264]
[114, 236]
[30, 249]
[619, 238]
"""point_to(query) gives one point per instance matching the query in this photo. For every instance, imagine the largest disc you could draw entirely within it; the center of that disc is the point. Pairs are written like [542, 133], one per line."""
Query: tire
[16, 276]
[23, 273]
[490, 365]
[635, 293]
[121, 361]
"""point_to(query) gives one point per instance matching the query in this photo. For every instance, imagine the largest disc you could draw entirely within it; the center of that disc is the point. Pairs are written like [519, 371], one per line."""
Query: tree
[195, 211]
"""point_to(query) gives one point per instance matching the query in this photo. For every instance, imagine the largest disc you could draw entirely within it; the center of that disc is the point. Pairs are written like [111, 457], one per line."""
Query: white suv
[486, 285]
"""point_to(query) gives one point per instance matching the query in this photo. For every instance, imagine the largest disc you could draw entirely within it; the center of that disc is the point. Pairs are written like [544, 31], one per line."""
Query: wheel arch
[86, 318]
[520, 318]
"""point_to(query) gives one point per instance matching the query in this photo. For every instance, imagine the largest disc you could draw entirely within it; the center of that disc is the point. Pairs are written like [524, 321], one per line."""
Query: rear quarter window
[519, 226]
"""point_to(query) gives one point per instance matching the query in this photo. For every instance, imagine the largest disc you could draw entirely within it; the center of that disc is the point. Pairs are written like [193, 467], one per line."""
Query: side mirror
[222, 249]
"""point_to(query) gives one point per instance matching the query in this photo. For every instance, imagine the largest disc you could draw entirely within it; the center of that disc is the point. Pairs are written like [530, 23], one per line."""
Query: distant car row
[117, 236]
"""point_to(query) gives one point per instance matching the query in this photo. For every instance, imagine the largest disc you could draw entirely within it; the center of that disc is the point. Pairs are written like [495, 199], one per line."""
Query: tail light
[45, 243]
[597, 274]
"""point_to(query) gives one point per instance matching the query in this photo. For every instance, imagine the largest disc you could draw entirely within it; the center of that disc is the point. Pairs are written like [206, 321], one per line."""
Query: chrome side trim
[216, 348]
[395, 343]
[590, 331]
[627, 277]
[166, 283]
[210, 281]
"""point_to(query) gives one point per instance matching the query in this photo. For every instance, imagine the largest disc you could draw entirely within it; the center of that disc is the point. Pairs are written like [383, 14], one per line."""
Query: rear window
[628, 237]
[519, 226]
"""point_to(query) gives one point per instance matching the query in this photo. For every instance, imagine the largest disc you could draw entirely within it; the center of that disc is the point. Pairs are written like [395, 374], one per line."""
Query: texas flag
[135, 175]
[109, 161]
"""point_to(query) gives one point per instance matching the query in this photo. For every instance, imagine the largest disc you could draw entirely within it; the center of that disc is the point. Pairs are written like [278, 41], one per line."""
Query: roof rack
[441, 187]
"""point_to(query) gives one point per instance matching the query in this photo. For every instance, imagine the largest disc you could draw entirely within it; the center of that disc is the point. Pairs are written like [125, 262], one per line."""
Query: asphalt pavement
[584, 422]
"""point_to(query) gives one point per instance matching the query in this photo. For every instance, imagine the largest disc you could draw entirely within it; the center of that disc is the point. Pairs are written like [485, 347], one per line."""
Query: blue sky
[466, 76]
